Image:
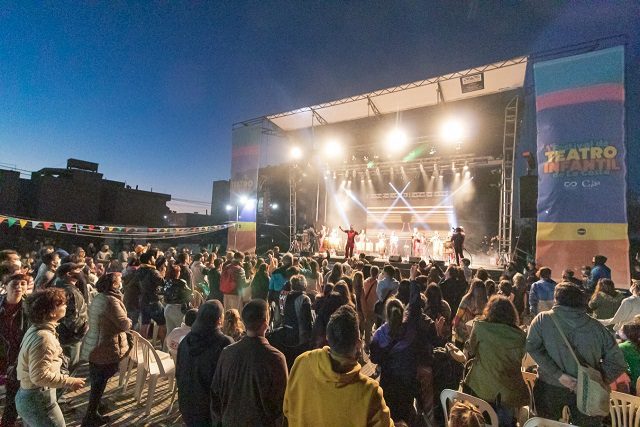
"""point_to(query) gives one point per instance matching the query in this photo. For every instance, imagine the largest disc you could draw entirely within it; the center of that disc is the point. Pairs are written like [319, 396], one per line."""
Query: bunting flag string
[112, 231]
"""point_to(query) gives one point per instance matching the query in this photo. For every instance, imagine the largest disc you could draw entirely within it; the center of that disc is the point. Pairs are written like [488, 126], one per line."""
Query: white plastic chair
[543, 422]
[174, 357]
[624, 409]
[156, 364]
[526, 411]
[128, 363]
[448, 397]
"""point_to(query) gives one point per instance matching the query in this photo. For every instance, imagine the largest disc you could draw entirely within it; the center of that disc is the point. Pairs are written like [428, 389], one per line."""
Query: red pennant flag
[46, 225]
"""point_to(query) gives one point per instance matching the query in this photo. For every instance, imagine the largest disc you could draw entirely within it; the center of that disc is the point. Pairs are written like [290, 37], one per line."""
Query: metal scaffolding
[505, 227]
[292, 208]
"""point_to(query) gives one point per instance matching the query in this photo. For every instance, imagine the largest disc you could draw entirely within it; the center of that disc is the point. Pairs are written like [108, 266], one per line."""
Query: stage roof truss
[485, 80]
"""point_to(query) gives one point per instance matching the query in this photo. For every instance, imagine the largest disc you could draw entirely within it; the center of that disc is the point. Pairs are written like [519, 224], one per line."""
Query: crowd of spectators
[261, 339]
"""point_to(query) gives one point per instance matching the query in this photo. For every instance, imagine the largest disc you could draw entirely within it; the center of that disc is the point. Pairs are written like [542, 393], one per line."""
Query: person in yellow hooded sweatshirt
[326, 387]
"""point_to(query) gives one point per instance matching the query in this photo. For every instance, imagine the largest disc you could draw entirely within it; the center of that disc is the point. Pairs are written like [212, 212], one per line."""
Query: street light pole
[235, 233]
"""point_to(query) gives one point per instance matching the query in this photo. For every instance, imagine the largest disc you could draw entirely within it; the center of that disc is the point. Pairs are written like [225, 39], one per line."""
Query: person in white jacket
[40, 361]
[629, 308]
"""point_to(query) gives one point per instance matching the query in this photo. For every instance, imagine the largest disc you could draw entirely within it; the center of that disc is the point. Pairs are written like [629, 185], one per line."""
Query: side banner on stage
[245, 161]
[582, 208]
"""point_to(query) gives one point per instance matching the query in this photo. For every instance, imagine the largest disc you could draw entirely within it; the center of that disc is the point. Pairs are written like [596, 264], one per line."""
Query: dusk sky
[150, 90]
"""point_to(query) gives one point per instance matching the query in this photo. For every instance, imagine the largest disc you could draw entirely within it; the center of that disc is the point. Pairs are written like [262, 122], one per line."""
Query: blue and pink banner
[582, 208]
[245, 161]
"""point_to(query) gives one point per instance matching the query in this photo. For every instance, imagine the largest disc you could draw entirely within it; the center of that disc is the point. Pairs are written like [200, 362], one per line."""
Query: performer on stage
[313, 239]
[393, 244]
[380, 245]
[436, 245]
[416, 242]
[457, 238]
[351, 238]
[321, 236]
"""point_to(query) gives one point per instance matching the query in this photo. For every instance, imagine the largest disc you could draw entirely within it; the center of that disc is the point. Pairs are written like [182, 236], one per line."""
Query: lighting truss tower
[292, 209]
[505, 227]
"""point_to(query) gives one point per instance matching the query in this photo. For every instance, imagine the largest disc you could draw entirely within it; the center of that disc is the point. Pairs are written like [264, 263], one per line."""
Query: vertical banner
[582, 208]
[245, 160]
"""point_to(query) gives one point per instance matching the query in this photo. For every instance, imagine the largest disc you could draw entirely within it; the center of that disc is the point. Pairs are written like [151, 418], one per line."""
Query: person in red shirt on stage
[351, 238]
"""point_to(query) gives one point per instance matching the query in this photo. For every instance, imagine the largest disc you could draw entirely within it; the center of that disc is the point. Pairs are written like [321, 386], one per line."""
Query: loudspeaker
[439, 264]
[305, 253]
[395, 258]
[339, 253]
[370, 258]
[414, 259]
[528, 196]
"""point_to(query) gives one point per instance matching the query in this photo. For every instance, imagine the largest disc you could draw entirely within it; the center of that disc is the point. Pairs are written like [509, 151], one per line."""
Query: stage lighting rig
[396, 140]
[453, 130]
[295, 153]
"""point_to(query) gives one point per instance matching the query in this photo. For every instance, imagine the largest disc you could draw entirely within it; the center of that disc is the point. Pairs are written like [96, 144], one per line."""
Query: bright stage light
[274, 206]
[453, 130]
[332, 149]
[243, 200]
[396, 140]
[296, 153]
[228, 207]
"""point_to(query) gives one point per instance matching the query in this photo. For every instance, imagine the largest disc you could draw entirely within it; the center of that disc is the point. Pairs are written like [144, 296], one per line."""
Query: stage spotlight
[453, 130]
[432, 151]
[332, 149]
[334, 175]
[466, 166]
[228, 207]
[243, 200]
[396, 140]
[296, 153]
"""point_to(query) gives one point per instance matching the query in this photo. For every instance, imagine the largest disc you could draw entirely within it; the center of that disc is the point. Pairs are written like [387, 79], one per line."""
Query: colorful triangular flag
[11, 221]
[57, 225]
[46, 225]
[102, 227]
[69, 227]
[23, 223]
[80, 227]
[34, 224]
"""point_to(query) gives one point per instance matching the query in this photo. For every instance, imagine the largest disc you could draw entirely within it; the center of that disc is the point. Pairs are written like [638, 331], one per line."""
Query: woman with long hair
[177, 296]
[260, 282]
[495, 348]
[314, 280]
[436, 306]
[471, 306]
[605, 300]
[232, 325]
[400, 346]
[335, 274]
[40, 362]
[106, 342]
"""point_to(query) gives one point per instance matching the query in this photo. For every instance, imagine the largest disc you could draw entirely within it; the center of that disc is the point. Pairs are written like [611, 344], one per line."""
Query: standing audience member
[599, 271]
[631, 351]
[40, 362]
[47, 270]
[232, 282]
[260, 283]
[106, 342]
[368, 302]
[541, 294]
[213, 276]
[177, 296]
[605, 300]
[342, 395]
[198, 356]
[388, 285]
[471, 306]
[13, 325]
[233, 326]
[629, 308]
[453, 287]
[151, 284]
[182, 260]
[592, 343]
[251, 376]
[74, 325]
[495, 349]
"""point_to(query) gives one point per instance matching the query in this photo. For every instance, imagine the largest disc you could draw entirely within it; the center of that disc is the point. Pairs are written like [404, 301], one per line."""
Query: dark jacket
[213, 275]
[453, 290]
[131, 289]
[198, 356]
[260, 285]
[297, 318]
[151, 284]
[75, 324]
[249, 384]
[12, 329]
[177, 291]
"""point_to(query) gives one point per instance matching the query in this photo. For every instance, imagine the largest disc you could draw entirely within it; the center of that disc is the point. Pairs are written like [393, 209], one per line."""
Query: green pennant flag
[11, 221]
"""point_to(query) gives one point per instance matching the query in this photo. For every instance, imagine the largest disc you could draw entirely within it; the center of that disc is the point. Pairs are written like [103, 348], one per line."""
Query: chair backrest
[448, 397]
[196, 299]
[530, 380]
[624, 409]
[543, 422]
[135, 349]
[638, 387]
[150, 355]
